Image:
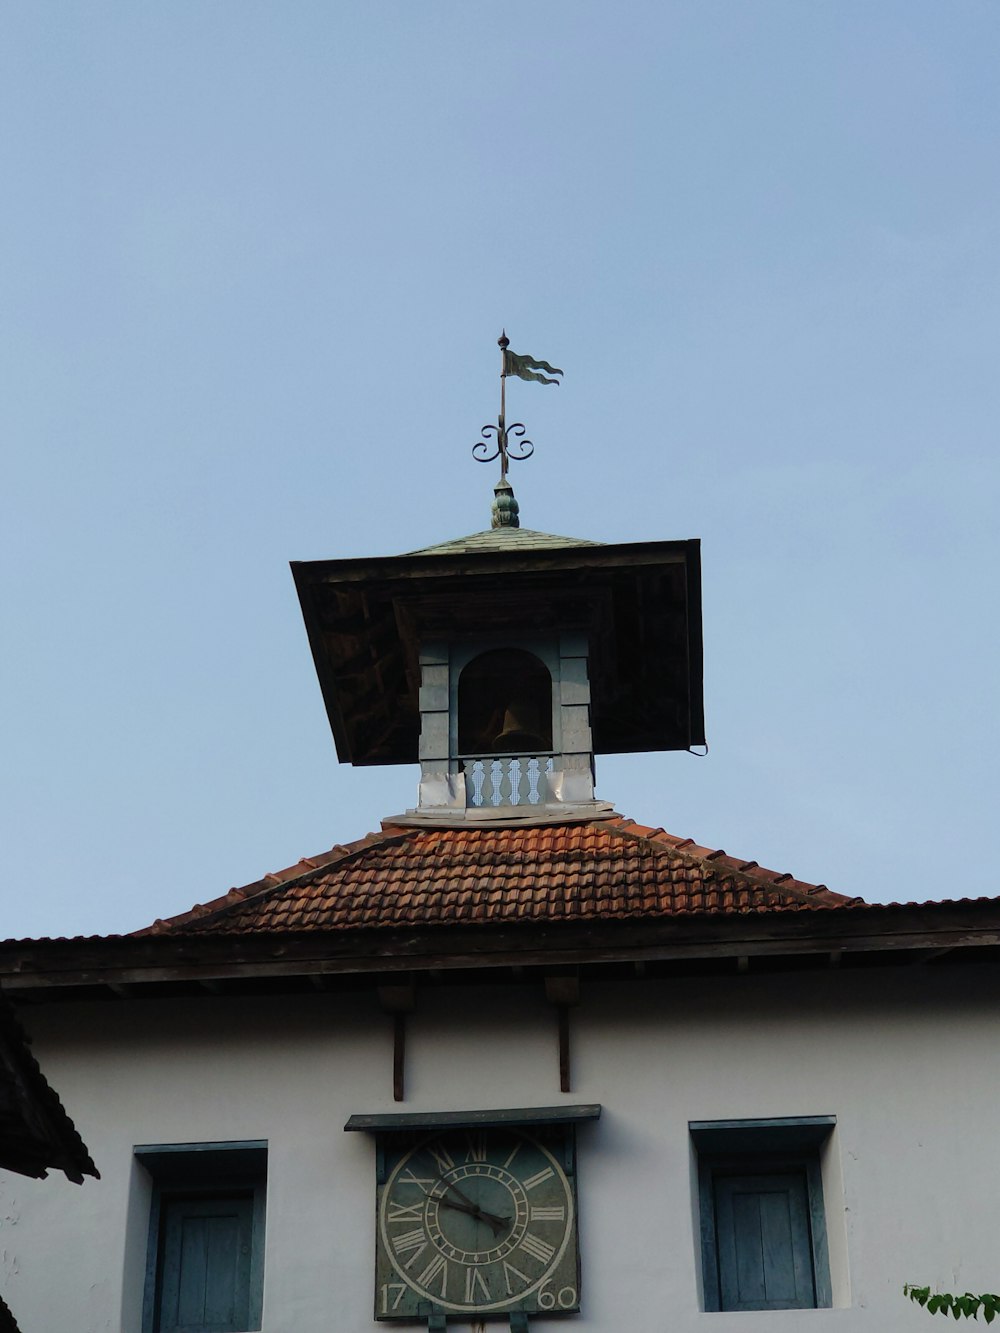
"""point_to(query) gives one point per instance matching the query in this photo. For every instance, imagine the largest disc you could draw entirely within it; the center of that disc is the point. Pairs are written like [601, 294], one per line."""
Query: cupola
[504, 661]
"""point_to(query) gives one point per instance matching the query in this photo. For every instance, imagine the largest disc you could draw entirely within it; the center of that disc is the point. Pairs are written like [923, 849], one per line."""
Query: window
[763, 1228]
[205, 1256]
[505, 704]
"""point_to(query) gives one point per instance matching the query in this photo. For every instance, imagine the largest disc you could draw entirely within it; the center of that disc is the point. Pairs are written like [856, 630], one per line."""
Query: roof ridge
[260, 890]
[781, 882]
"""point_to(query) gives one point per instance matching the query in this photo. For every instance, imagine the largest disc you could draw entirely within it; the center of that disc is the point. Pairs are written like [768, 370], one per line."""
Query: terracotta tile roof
[36, 1133]
[8, 1324]
[606, 870]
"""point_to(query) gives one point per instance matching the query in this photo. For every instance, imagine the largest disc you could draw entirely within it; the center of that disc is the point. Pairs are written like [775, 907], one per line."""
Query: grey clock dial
[478, 1221]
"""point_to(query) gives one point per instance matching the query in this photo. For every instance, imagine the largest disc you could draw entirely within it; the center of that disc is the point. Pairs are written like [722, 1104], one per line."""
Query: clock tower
[504, 661]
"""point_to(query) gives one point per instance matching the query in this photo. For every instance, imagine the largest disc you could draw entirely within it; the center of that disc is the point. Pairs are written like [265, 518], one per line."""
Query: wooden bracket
[563, 990]
[398, 1057]
[518, 1321]
[398, 1000]
[435, 1318]
[565, 1080]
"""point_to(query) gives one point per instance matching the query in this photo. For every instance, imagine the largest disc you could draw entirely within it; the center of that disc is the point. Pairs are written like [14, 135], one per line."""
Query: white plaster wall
[906, 1060]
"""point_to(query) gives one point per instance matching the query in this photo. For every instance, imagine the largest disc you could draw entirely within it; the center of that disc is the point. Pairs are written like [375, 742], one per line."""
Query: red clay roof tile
[605, 870]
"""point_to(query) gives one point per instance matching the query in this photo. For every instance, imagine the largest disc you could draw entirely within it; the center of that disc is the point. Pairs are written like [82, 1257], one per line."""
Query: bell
[505, 704]
[520, 732]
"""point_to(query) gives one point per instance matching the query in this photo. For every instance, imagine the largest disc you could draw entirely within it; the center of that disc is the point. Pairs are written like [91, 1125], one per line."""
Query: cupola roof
[637, 603]
[504, 539]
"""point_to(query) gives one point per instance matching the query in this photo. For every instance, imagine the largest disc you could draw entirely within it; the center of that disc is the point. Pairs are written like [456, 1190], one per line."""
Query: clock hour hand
[492, 1220]
[496, 1224]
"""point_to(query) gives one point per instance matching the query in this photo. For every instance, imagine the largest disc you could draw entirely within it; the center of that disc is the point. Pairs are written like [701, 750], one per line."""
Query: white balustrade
[512, 780]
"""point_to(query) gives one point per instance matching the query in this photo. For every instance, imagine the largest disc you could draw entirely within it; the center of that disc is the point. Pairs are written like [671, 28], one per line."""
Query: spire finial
[503, 447]
[504, 510]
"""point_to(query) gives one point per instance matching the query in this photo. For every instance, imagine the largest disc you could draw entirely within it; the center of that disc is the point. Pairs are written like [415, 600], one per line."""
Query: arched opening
[505, 704]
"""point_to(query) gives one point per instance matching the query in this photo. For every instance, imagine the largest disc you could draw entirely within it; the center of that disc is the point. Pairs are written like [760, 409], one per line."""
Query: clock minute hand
[473, 1209]
[464, 1197]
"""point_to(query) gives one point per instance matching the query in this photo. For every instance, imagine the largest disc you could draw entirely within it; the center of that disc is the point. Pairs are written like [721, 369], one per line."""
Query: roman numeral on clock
[477, 1148]
[475, 1285]
[410, 1240]
[438, 1267]
[404, 1212]
[557, 1213]
[538, 1249]
[443, 1159]
[510, 1271]
[415, 1241]
[513, 1153]
[537, 1179]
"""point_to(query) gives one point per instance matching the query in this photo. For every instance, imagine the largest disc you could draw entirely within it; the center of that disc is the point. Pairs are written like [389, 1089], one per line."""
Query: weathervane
[507, 442]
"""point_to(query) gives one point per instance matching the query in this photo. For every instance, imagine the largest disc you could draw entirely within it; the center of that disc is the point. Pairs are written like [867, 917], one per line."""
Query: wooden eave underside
[639, 604]
[127, 966]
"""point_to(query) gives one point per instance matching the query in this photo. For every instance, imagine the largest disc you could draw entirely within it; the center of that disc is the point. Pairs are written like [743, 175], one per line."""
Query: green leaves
[966, 1306]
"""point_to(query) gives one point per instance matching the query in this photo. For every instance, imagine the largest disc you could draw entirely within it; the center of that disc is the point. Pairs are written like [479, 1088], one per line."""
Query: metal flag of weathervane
[502, 445]
[524, 367]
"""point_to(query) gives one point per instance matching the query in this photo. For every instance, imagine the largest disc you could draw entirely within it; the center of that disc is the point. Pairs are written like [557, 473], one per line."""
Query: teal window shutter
[765, 1254]
[761, 1212]
[205, 1247]
[206, 1265]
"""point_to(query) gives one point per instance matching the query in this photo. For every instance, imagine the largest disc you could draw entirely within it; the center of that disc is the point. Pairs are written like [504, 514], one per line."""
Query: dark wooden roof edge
[440, 564]
[135, 960]
[8, 1324]
[49, 1139]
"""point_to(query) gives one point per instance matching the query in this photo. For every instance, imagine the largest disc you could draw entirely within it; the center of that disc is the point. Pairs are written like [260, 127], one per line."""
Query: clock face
[480, 1220]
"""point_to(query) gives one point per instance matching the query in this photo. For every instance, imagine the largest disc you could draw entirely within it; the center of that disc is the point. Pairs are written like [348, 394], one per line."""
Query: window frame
[204, 1171]
[472, 691]
[785, 1145]
[463, 651]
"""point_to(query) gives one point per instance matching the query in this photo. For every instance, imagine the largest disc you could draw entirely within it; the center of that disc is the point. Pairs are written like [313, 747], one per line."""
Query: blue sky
[254, 259]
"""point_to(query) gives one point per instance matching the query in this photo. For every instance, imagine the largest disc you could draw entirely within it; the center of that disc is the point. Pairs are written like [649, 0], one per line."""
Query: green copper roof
[505, 533]
[503, 539]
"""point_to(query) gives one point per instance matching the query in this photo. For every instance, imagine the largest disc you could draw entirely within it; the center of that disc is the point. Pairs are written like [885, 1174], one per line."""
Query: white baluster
[515, 782]
[534, 776]
[496, 782]
[475, 769]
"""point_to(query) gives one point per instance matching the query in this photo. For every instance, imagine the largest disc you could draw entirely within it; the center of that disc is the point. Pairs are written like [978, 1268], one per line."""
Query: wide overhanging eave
[638, 603]
[130, 964]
